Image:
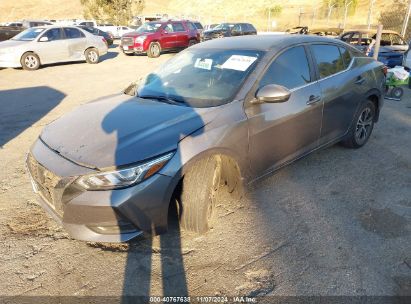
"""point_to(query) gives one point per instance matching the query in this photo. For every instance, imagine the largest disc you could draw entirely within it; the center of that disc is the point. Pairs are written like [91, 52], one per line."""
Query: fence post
[406, 19]
[370, 13]
[377, 42]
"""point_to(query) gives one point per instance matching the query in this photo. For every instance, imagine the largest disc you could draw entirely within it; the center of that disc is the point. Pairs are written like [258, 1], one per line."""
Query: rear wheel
[363, 126]
[397, 93]
[192, 42]
[92, 56]
[199, 190]
[154, 50]
[30, 61]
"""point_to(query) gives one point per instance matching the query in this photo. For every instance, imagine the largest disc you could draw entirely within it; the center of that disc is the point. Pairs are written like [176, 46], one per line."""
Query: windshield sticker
[204, 64]
[238, 63]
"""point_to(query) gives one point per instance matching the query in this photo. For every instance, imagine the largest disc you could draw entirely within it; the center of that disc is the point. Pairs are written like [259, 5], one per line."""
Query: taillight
[385, 70]
[104, 40]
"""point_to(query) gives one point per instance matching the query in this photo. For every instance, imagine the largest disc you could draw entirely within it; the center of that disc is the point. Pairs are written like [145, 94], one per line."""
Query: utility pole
[370, 13]
[406, 19]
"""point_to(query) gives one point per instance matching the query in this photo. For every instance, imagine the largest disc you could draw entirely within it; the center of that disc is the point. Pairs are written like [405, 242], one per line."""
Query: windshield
[201, 77]
[29, 34]
[149, 27]
[223, 26]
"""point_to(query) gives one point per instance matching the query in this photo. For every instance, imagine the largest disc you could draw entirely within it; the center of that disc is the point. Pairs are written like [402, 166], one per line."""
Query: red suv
[153, 37]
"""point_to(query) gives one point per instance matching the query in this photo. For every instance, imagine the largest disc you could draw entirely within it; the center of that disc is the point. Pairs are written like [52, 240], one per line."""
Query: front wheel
[30, 62]
[154, 50]
[196, 208]
[92, 56]
[361, 131]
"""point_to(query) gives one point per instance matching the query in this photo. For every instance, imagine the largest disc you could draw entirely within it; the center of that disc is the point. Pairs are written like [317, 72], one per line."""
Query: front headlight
[140, 39]
[124, 177]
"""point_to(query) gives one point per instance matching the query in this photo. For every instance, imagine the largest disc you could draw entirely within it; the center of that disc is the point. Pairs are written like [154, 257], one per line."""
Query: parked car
[229, 29]
[7, 32]
[327, 31]
[95, 31]
[199, 27]
[154, 37]
[406, 59]
[210, 26]
[52, 44]
[392, 45]
[302, 30]
[113, 30]
[12, 29]
[219, 113]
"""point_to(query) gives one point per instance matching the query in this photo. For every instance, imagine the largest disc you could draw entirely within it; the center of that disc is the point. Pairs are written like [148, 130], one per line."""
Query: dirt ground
[335, 223]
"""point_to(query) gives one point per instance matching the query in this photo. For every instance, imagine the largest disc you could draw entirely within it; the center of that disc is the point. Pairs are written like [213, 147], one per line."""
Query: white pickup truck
[114, 30]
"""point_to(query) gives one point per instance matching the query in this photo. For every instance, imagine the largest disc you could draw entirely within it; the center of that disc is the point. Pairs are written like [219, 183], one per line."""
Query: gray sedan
[217, 115]
[50, 44]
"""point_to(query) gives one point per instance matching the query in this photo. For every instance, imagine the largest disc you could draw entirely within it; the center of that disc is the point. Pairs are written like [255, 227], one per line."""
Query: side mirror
[44, 39]
[273, 93]
[131, 89]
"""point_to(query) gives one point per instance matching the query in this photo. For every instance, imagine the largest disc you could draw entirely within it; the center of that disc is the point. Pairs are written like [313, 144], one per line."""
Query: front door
[280, 132]
[54, 49]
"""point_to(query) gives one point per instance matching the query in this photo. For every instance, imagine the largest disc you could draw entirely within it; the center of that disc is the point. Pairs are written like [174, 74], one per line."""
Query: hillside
[305, 12]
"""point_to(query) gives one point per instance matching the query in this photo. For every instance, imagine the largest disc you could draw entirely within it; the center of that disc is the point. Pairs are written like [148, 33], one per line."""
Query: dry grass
[208, 11]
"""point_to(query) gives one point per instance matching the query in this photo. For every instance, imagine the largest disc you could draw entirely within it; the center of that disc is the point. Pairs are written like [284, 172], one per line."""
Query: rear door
[54, 49]
[181, 39]
[76, 43]
[342, 88]
[280, 132]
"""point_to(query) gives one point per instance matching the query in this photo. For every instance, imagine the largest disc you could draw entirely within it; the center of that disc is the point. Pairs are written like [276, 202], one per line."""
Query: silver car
[51, 44]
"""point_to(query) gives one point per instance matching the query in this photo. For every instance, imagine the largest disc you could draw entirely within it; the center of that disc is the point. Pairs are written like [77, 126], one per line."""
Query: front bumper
[9, 60]
[98, 216]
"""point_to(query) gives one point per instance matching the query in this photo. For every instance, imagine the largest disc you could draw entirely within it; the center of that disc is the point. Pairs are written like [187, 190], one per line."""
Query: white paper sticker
[204, 64]
[238, 63]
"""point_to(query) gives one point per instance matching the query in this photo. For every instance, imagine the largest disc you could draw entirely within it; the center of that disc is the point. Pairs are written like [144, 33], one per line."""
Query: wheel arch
[376, 97]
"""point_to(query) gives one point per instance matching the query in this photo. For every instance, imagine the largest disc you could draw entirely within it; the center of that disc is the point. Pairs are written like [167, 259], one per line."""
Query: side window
[169, 28]
[290, 69]
[191, 26]
[53, 34]
[385, 39]
[397, 40]
[355, 39]
[346, 56]
[198, 25]
[236, 28]
[251, 28]
[178, 27]
[328, 59]
[346, 37]
[72, 33]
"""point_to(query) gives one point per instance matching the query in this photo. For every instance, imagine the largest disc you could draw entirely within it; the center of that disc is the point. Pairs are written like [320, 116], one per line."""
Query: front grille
[127, 41]
[49, 185]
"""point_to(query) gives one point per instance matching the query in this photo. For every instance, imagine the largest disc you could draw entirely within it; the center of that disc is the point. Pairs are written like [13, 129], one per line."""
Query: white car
[406, 59]
[51, 44]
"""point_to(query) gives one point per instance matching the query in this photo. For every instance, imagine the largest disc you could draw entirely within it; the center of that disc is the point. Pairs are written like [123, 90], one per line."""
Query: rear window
[251, 28]
[198, 25]
[72, 33]
[328, 58]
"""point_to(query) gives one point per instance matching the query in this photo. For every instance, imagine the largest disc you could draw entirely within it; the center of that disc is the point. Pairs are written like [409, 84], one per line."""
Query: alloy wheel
[364, 125]
[155, 50]
[92, 56]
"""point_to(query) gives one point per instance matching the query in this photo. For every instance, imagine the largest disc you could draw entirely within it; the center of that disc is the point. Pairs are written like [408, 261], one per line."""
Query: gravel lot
[335, 223]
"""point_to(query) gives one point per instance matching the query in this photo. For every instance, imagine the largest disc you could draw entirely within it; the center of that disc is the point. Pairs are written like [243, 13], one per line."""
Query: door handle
[313, 99]
[360, 80]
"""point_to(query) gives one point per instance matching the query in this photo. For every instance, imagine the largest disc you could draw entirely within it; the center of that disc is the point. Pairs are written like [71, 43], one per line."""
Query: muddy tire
[362, 127]
[30, 61]
[196, 206]
[154, 50]
[192, 42]
[92, 55]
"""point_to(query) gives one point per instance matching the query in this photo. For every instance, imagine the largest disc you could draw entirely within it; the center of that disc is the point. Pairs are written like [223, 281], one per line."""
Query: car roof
[264, 42]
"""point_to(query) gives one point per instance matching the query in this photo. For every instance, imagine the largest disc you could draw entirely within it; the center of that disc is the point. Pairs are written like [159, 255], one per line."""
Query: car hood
[121, 130]
[135, 34]
[12, 43]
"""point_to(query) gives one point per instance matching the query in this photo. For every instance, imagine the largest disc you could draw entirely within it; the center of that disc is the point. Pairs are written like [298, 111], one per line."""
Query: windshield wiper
[162, 98]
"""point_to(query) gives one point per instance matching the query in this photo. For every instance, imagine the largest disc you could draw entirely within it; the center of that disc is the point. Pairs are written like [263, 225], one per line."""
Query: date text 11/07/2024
[215, 299]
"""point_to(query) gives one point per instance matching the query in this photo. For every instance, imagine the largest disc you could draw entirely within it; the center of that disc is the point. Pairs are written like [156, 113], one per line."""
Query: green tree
[119, 12]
